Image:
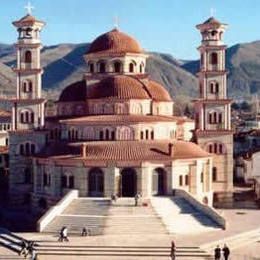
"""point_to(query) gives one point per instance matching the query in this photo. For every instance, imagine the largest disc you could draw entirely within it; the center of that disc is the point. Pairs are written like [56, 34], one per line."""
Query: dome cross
[213, 12]
[29, 7]
[116, 22]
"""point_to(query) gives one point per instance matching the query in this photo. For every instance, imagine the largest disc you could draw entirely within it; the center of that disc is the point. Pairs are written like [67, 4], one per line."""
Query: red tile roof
[27, 20]
[113, 151]
[114, 42]
[74, 92]
[119, 86]
[119, 119]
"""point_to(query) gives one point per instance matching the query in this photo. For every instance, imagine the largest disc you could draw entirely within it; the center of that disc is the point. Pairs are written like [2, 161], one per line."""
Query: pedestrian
[113, 198]
[226, 252]
[61, 238]
[65, 234]
[84, 232]
[217, 253]
[137, 197]
[173, 250]
[31, 250]
[24, 246]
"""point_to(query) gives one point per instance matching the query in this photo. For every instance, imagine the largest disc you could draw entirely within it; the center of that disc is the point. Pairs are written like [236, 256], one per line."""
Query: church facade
[115, 131]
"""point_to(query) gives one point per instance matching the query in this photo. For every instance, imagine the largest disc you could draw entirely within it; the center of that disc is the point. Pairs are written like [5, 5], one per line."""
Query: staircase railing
[56, 210]
[207, 210]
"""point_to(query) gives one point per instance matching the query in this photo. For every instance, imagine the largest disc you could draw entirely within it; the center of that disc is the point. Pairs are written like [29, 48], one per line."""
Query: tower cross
[29, 8]
[116, 22]
[212, 11]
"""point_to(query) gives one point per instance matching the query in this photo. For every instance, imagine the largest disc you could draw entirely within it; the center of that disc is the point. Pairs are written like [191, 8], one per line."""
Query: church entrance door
[159, 181]
[96, 182]
[128, 182]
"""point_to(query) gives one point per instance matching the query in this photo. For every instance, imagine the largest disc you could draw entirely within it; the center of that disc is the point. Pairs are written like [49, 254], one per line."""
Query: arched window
[113, 135]
[28, 57]
[71, 182]
[21, 149]
[152, 135]
[22, 119]
[117, 67]
[180, 180]
[216, 88]
[146, 134]
[107, 134]
[64, 181]
[32, 149]
[142, 135]
[141, 68]
[212, 89]
[186, 179]
[102, 67]
[220, 118]
[27, 176]
[210, 148]
[101, 135]
[214, 174]
[214, 58]
[91, 67]
[42, 203]
[215, 147]
[202, 59]
[220, 148]
[215, 117]
[202, 177]
[27, 149]
[131, 67]
[32, 118]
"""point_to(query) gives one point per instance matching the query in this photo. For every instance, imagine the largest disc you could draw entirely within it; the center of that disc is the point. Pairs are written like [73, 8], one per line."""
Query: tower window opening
[28, 57]
[180, 181]
[146, 134]
[214, 174]
[214, 58]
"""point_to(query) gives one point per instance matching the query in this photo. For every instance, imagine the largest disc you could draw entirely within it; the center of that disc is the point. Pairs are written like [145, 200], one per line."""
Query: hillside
[64, 64]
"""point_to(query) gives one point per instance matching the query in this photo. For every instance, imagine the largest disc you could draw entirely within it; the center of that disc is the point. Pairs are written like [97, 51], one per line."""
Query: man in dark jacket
[226, 252]
[217, 253]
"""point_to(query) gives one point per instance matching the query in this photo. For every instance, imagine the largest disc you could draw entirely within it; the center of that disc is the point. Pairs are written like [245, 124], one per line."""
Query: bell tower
[213, 108]
[28, 108]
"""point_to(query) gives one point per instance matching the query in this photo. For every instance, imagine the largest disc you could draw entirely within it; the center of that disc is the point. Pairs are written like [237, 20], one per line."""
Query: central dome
[120, 86]
[114, 42]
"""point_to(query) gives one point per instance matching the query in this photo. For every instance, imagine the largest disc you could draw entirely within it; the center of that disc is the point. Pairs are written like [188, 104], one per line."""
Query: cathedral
[115, 131]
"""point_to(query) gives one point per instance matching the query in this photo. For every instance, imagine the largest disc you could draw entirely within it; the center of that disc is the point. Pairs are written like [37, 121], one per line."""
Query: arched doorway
[96, 182]
[128, 185]
[159, 181]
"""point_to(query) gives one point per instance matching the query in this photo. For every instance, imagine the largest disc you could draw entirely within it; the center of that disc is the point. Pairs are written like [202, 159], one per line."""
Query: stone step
[176, 213]
[124, 251]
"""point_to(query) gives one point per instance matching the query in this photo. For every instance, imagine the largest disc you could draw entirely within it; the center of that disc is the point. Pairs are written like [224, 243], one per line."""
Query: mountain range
[64, 64]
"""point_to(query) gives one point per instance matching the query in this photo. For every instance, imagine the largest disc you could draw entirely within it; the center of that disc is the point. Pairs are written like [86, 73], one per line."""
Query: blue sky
[159, 25]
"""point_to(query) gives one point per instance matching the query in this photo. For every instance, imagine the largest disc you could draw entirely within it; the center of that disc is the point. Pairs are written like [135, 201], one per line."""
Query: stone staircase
[10, 245]
[177, 213]
[82, 212]
[125, 218]
[58, 251]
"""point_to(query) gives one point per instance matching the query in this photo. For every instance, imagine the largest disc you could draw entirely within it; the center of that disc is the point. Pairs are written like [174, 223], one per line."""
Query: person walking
[61, 238]
[65, 234]
[217, 253]
[173, 250]
[226, 252]
[24, 246]
[137, 197]
[84, 232]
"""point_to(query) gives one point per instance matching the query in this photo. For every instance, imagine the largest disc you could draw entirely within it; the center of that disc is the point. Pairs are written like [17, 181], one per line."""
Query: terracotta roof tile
[114, 42]
[74, 92]
[119, 86]
[125, 151]
[119, 119]
[27, 19]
